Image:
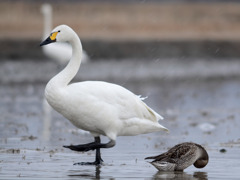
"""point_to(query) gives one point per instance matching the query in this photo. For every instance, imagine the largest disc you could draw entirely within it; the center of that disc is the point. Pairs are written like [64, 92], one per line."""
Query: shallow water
[199, 110]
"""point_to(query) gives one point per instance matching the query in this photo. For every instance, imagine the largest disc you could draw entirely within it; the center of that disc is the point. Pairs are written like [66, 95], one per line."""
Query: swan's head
[62, 33]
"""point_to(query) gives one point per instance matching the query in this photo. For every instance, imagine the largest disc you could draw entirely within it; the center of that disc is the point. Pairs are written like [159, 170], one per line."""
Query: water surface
[201, 110]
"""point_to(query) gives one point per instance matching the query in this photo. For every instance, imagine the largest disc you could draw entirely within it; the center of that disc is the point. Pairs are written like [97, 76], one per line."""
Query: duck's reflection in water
[180, 175]
[201, 175]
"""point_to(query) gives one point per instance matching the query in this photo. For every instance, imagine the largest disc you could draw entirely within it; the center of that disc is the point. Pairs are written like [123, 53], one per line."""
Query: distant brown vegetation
[126, 21]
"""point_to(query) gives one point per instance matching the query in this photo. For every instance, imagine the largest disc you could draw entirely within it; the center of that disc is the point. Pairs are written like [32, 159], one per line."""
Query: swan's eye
[59, 31]
[53, 36]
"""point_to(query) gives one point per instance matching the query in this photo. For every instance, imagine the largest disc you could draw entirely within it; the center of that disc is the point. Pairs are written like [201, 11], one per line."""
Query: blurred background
[152, 29]
[184, 55]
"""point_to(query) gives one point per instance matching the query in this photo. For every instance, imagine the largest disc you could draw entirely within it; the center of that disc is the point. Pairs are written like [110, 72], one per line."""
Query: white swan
[98, 107]
[60, 52]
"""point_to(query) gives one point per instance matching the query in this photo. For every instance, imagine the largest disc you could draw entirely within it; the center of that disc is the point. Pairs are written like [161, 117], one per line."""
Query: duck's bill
[47, 41]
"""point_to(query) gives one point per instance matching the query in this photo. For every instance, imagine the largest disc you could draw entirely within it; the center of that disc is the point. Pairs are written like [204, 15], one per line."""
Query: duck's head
[61, 33]
[203, 159]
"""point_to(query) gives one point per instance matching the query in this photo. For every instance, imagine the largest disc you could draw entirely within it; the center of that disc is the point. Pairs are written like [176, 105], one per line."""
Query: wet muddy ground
[199, 100]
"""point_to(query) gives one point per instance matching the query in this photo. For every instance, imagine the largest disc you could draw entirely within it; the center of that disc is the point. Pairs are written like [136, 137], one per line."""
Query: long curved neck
[47, 27]
[63, 78]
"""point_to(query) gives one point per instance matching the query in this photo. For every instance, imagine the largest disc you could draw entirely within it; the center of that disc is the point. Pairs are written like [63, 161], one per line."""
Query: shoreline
[147, 49]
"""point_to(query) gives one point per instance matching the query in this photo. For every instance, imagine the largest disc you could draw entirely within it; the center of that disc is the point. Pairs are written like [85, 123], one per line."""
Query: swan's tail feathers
[163, 128]
[153, 115]
[159, 117]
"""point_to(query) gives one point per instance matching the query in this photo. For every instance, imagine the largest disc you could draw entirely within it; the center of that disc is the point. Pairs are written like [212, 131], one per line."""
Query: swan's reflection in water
[180, 175]
[47, 120]
[87, 173]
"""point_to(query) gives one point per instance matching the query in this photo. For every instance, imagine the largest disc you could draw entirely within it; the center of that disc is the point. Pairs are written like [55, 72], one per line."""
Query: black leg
[92, 146]
[98, 158]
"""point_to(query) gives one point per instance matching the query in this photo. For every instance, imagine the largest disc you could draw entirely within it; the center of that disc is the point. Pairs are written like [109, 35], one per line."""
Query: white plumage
[98, 107]
[104, 108]
[60, 52]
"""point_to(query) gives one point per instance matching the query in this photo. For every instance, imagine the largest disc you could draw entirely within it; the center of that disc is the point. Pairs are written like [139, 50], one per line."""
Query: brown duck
[180, 157]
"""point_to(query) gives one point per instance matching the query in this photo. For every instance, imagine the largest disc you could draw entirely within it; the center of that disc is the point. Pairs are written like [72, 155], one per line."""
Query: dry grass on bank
[126, 21]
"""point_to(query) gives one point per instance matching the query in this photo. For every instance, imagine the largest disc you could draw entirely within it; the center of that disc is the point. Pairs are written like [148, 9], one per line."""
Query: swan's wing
[126, 104]
[130, 105]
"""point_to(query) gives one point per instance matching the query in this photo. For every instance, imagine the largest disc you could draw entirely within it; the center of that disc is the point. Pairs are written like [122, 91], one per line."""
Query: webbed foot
[80, 148]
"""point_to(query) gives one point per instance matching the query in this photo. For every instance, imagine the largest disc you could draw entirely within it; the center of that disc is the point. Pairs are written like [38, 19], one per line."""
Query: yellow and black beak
[50, 39]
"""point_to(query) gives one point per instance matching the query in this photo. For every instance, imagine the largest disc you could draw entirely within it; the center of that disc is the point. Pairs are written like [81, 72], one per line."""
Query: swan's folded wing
[126, 104]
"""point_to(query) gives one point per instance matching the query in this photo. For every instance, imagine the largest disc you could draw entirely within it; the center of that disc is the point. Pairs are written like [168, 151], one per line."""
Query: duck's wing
[182, 150]
[159, 157]
[176, 152]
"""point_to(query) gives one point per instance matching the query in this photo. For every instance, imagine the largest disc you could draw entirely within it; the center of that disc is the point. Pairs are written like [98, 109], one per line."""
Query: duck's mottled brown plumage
[180, 157]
